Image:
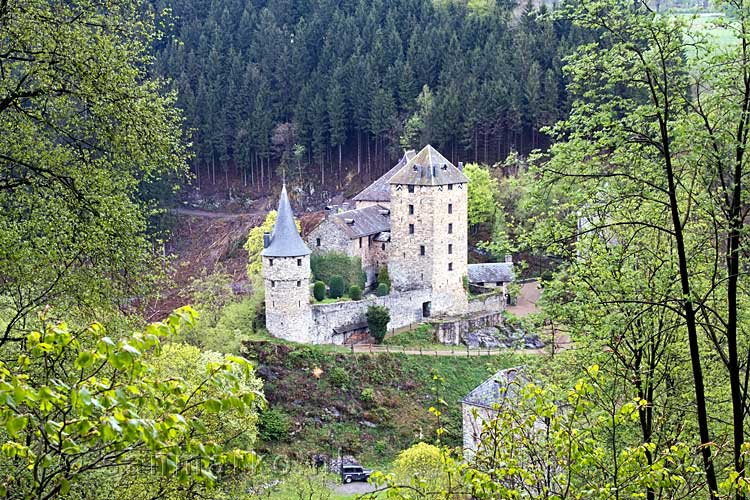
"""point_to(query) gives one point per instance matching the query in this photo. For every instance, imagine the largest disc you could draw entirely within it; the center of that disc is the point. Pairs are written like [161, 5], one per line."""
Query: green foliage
[319, 290]
[422, 463]
[483, 187]
[382, 290]
[274, 425]
[114, 404]
[338, 377]
[327, 265]
[377, 322]
[355, 292]
[245, 61]
[422, 336]
[336, 287]
[83, 127]
[367, 395]
[383, 276]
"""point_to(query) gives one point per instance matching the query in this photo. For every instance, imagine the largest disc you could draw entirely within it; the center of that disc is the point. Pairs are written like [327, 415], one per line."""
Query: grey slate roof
[380, 190]
[491, 273]
[503, 386]
[285, 240]
[364, 221]
[429, 168]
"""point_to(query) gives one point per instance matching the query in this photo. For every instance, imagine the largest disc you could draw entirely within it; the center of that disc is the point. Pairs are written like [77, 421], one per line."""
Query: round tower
[286, 276]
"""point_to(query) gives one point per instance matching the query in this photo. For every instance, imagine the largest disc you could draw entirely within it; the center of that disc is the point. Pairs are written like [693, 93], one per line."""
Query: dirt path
[215, 215]
[527, 299]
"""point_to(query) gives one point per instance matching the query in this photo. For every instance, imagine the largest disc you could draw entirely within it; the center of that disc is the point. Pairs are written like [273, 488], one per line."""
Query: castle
[413, 220]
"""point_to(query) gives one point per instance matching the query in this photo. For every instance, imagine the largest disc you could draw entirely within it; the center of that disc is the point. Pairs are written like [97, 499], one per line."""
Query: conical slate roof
[285, 240]
[429, 168]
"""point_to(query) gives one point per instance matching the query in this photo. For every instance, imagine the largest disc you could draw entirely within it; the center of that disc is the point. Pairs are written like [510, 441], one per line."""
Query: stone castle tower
[286, 276]
[429, 231]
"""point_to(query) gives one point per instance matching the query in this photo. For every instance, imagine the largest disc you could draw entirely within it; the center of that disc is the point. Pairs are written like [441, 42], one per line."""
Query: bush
[382, 290]
[339, 377]
[355, 292]
[327, 265]
[336, 287]
[367, 395]
[274, 425]
[377, 321]
[423, 461]
[383, 276]
[319, 290]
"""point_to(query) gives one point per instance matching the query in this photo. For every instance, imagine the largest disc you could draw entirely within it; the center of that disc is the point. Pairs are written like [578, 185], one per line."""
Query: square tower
[429, 225]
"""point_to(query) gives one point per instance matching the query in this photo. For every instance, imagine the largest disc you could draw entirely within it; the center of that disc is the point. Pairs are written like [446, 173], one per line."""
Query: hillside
[369, 406]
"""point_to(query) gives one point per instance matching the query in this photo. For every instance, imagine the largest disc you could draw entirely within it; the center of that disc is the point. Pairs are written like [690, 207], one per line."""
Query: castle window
[411, 228]
[450, 228]
[360, 243]
[317, 242]
[411, 209]
[411, 188]
[270, 262]
[450, 208]
[382, 246]
[450, 187]
[299, 262]
[450, 248]
[273, 284]
[299, 283]
[421, 250]
[450, 266]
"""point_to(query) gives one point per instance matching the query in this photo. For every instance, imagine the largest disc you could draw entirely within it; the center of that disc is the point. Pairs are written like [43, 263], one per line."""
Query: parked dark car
[351, 473]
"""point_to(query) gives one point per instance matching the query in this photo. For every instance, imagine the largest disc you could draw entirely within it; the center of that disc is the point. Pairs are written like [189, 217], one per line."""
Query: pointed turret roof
[429, 168]
[285, 240]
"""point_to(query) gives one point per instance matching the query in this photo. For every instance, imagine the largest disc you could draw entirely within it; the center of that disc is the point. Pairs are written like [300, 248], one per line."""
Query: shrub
[355, 292]
[339, 377]
[377, 321]
[382, 290]
[424, 461]
[367, 395]
[327, 265]
[383, 276]
[336, 287]
[319, 290]
[274, 425]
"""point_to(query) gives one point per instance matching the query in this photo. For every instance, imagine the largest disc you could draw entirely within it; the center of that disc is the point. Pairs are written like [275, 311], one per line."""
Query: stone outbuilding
[483, 403]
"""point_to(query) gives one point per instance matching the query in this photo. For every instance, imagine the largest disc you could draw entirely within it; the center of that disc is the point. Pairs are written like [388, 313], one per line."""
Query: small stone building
[483, 403]
[492, 275]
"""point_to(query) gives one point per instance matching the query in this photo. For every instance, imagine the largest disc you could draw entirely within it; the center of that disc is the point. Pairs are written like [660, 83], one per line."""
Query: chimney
[266, 239]
[349, 221]
[508, 258]
[461, 166]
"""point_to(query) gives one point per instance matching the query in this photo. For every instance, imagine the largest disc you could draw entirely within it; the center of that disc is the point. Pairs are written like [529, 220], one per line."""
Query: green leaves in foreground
[77, 404]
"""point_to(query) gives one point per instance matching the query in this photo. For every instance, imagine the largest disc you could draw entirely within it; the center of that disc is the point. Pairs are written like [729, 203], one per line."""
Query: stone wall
[473, 426]
[333, 238]
[287, 286]
[405, 309]
[453, 330]
[491, 301]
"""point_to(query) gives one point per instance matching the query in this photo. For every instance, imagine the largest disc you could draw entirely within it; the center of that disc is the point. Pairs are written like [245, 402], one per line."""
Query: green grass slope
[369, 406]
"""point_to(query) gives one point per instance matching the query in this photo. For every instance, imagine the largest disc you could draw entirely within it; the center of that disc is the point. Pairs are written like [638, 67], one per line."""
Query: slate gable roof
[503, 386]
[494, 272]
[380, 189]
[364, 221]
[429, 168]
[285, 240]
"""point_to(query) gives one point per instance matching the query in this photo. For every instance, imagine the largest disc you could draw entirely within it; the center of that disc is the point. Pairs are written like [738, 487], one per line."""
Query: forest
[635, 200]
[306, 87]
